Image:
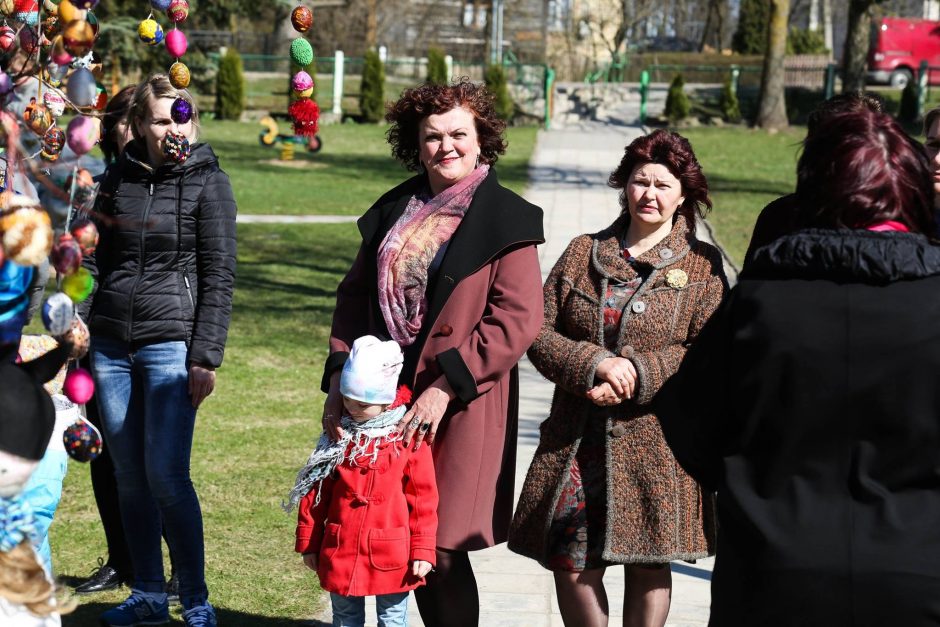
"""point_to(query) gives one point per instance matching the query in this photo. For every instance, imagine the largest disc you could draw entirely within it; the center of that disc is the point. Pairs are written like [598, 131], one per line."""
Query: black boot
[104, 577]
[173, 589]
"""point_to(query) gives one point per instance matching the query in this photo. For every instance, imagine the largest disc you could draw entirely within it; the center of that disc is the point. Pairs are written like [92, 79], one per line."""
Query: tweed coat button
[618, 431]
[666, 253]
[446, 330]
[627, 352]
[638, 307]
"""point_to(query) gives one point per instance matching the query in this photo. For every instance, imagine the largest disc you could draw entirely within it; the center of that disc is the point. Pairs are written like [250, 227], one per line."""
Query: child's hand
[420, 568]
[310, 561]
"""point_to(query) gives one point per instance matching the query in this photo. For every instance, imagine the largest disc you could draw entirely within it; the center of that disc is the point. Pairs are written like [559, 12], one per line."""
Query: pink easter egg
[79, 386]
[7, 39]
[301, 81]
[82, 134]
[176, 43]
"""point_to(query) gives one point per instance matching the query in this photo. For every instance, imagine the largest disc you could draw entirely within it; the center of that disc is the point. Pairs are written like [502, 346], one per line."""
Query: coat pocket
[330, 539]
[388, 548]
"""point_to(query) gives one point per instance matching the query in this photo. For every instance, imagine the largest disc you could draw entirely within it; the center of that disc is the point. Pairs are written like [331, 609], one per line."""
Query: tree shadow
[88, 614]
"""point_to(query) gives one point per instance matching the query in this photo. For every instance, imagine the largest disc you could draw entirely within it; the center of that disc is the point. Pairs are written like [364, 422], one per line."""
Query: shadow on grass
[87, 615]
[748, 185]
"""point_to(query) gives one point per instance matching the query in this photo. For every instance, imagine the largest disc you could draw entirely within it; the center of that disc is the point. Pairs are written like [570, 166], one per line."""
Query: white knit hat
[371, 372]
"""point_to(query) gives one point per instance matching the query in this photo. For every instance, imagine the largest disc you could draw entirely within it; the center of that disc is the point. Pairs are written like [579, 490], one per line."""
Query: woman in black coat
[810, 401]
[165, 269]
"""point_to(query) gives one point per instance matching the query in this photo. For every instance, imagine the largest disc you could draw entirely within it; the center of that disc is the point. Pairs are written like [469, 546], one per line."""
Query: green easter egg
[78, 286]
[301, 52]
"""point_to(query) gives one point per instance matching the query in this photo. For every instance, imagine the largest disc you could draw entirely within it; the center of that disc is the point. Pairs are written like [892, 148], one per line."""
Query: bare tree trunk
[827, 26]
[814, 15]
[772, 110]
[857, 40]
[371, 25]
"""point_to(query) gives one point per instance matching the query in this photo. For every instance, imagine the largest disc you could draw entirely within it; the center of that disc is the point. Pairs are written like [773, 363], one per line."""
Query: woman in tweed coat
[621, 307]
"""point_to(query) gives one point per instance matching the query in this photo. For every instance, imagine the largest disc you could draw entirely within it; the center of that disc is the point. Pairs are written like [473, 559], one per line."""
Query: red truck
[898, 45]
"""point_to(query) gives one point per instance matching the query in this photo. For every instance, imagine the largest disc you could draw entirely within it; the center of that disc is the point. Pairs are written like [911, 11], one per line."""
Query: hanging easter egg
[66, 257]
[301, 52]
[176, 147]
[82, 134]
[26, 11]
[80, 338]
[29, 40]
[305, 115]
[81, 87]
[54, 102]
[68, 12]
[181, 111]
[53, 141]
[84, 188]
[101, 98]
[78, 286]
[53, 73]
[37, 117]
[93, 22]
[59, 55]
[79, 386]
[179, 75]
[84, 4]
[301, 18]
[160, 5]
[176, 43]
[7, 38]
[178, 11]
[86, 234]
[82, 441]
[27, 236]
[6, 7]
[57, 313]
[149, 32]
[78, 37]
[302, 84]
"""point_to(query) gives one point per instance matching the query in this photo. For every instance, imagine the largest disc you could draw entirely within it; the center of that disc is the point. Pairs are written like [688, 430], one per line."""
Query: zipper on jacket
[140, 263]
[189, 293]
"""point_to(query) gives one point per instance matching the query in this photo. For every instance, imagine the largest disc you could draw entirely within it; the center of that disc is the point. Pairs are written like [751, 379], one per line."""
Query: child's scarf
[16, 522]
[359, 439]
[409, 248]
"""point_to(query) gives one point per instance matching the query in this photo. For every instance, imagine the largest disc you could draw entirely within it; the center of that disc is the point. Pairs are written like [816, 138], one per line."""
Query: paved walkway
[569, 173]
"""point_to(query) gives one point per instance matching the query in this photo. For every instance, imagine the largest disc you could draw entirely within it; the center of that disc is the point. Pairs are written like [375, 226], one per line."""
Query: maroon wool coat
[484, 310]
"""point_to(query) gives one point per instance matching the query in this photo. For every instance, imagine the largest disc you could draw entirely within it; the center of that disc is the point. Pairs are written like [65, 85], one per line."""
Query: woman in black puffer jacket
[165, 269]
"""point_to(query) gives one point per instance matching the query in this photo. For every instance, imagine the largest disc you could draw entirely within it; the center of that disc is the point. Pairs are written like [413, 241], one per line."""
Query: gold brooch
[677, 279]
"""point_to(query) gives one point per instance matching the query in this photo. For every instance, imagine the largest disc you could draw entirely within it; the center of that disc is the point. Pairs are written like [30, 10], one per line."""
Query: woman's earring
[478, 162]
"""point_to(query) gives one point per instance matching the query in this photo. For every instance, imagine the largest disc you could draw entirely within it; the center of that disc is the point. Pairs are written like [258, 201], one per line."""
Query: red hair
[861, 168]
[675, 152]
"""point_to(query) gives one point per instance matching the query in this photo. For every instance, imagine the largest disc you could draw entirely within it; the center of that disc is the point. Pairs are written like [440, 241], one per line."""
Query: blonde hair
[158, 86]
[23, 581]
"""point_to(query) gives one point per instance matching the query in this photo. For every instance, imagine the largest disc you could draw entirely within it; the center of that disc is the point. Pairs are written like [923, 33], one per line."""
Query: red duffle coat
[373, 520]
[484, 310]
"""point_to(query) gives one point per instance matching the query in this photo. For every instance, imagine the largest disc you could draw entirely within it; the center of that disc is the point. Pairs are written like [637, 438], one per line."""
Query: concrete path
[569, 173]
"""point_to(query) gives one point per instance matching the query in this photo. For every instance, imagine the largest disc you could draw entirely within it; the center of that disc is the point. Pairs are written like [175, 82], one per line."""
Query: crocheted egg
[7, 38]
[82, 134]
[81, 87]
[302, 84]
[54, 102]
[53, 141]
[178, 11]
[160, 5]
[37, 117]
[149, 32]
[179, 75]
[86, 234]
[82, 441]
[79, 386]
[305, 114]
[301, 18]
[176, 147]
[301, 52]
[78, 38]
[176, 43]
[26, 11]
[59, 55]
[181, 111]
[27, 236]
[78, 286]
[57, 313]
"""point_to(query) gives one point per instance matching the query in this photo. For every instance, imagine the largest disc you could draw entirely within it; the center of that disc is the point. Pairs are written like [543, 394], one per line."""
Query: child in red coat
[367, 520]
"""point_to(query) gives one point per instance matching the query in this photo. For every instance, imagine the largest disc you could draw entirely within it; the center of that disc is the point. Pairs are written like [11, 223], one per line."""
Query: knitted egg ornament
[178, 11]
[26, 11]
[78, 286]
[179, 75]
[7, 39]
[54, 102]
[176, 147]
[53, 141]
[27, 236]
[57, 313]
[82, 134]
[181, 111]
[176, 43]
[82, 441]
[305, 113]
[81, 87]
[66, 258]
[78, 37]
[149, 32]
[160, 5]
[302, 84]
[301, 52]
[79, 386]
[301, 18]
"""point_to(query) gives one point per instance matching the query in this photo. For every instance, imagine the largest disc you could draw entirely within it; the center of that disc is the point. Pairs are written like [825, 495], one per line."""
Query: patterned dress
[579, 525]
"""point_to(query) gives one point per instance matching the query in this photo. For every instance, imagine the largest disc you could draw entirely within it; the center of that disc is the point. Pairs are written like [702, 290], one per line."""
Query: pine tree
[495, 79]
[730, 108]
[751, 34]
[437, 67]
[678, 106]
[230, 87]
[372, 88]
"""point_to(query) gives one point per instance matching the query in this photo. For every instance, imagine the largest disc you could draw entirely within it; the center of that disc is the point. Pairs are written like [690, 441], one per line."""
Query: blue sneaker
[200, 616]
[139, 609]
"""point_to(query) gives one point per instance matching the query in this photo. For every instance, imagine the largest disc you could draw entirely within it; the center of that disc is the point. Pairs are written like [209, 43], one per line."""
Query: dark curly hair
[675, 152]
[415, 104]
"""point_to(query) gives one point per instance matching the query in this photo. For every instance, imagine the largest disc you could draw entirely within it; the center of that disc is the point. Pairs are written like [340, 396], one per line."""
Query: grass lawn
[352, 170]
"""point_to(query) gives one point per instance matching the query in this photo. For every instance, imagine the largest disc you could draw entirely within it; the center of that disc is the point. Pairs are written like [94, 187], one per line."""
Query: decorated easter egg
[160, 5]
[176, 147]
[86, 234]
[68, 12]
[57, 313]
[26, 11]
[181, 111]
[101, 97]
[179, 75]
[82, 441]
[302, 84]
[301, 18]
[79, 386]
[80, 338]
[53, 141]
[7, 38]
[81, 187]
[58, 54]
[29, 40]
[149, 32]
[78, 286]
[176, 43]
[83, 133]
[54, 102]
[81, 87]
[178, 11]
[27, 236]
[66, 256]
[6, 84]
[301, 52]
[37, 117]
[53, 73]
[84, 4]
[78, 38]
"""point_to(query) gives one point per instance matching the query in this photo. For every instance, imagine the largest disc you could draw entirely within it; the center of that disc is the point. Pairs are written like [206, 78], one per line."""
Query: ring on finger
[425, 426]
[414, 423]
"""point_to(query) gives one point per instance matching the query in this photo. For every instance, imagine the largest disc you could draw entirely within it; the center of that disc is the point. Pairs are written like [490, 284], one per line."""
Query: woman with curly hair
[621, 307]
[448, 269]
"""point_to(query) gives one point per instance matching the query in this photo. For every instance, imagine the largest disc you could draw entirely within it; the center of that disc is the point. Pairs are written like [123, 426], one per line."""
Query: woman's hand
[604, 395]
[201, 383]
[620, 373]
[333, 409]
[421, 421]
[310, 561]
[420, 568]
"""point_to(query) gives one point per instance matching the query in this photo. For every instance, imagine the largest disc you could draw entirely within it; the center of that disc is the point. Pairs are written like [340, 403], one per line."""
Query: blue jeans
[391, 609]
[148, 419]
